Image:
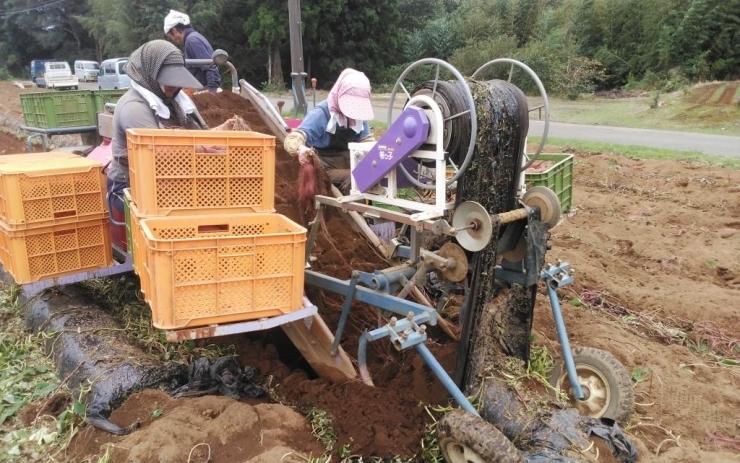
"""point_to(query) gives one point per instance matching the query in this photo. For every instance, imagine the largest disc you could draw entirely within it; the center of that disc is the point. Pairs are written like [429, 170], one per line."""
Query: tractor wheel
[466, 438]
[606, 385]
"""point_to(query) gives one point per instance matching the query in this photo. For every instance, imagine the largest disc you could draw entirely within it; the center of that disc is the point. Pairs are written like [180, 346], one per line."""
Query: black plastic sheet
[546, 436]
[93, 352]
[224, 375]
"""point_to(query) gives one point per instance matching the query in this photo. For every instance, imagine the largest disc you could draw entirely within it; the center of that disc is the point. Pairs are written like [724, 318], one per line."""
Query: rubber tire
[461, 428]
[622, 395]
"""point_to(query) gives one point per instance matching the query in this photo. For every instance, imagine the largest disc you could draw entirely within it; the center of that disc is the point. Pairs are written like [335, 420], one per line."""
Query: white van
[86, 70]
[57, 74]
[112, 75]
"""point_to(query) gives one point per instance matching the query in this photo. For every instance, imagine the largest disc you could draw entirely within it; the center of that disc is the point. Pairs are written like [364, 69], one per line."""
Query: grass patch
[671, 112]
[717, 93]
[29, 385]
[121, 297]
[643, 152]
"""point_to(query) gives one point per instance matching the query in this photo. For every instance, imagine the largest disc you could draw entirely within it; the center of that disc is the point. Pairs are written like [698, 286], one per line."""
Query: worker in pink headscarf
[333, 124]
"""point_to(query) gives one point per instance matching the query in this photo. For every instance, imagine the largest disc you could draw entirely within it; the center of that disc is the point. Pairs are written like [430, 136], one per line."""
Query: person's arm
[366, 132]
[314, 128]
[195, 48]
[132, 115]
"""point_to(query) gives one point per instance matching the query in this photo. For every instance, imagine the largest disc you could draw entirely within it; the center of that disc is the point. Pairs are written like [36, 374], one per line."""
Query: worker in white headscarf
[177, 28]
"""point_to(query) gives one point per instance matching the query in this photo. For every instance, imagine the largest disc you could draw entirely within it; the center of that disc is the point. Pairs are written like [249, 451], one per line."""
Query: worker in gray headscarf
[154, 101]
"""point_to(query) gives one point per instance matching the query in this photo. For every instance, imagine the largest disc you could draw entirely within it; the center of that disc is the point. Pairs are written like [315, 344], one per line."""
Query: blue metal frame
[381, 300]
[410, 332]
[31, 289]
[405, 333]
[556, 276]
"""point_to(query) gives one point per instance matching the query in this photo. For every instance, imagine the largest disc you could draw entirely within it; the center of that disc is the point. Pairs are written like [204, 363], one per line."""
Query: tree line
[574, 46]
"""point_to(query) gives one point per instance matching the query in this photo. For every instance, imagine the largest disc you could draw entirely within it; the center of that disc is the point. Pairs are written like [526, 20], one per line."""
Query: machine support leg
[314, 229]
[345, 311]
[570, 366]
[446, 380]
[362, 359]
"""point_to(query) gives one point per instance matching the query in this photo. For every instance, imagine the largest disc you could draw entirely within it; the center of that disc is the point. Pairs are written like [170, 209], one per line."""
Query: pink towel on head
[350, 97]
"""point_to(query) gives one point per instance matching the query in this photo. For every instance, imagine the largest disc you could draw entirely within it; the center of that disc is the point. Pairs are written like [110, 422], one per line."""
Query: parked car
[57, 75]
[86, 70]
[112, 75]
[37, 68]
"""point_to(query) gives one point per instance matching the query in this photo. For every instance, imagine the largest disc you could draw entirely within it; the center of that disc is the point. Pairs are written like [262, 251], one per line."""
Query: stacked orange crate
[53, 219]
[212, 248]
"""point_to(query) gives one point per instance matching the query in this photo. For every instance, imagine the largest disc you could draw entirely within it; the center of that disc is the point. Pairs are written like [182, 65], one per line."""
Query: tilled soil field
[656, 248]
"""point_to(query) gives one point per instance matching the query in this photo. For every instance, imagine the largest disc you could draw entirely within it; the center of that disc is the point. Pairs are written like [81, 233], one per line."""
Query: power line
[26, 10]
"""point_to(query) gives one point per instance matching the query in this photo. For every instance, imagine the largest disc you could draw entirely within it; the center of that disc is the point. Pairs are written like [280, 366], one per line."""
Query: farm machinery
[464, 141]
[470, 224]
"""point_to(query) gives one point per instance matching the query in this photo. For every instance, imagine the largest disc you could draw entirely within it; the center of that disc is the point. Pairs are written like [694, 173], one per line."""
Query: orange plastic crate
[46, 252]
[36, 157]
[138, 245]
[204, 270]
[172, 170]
[56, 191]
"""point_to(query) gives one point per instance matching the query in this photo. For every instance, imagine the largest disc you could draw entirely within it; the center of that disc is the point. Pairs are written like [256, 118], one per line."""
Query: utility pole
[297, 75]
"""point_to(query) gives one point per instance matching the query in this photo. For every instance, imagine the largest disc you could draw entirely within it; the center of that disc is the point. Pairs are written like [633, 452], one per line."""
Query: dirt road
[721, 145]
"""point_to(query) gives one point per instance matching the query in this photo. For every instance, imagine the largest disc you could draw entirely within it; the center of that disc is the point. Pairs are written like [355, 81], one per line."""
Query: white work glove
[303, 154]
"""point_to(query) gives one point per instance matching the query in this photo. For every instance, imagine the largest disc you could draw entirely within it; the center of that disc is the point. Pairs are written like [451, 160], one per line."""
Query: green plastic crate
[56, 109]
[101, 97]
[557, 175]
[127, 215]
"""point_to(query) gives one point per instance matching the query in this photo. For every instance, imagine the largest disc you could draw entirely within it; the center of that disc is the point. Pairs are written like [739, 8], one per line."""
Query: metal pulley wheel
[456, 255]
[433, 93]
[550, 212]
[473, 226]
[450, 99]
[547, 201]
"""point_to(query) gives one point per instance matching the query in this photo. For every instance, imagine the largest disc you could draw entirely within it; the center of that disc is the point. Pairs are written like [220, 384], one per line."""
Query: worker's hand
[303, 154]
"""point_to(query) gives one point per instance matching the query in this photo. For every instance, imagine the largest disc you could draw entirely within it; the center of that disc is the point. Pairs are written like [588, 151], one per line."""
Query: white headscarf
[174, 18]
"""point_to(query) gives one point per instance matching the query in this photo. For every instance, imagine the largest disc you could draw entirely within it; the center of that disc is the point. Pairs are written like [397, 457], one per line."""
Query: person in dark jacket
[178, 29]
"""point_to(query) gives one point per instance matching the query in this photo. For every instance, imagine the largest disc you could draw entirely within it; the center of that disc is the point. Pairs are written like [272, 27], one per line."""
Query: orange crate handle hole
[62, 214]
[204, 229]
[210, 149]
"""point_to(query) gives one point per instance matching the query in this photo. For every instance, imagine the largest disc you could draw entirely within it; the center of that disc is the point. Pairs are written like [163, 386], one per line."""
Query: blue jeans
[115, 195]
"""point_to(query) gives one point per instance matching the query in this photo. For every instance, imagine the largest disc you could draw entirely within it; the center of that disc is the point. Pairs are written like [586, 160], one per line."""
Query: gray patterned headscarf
[143, 67]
